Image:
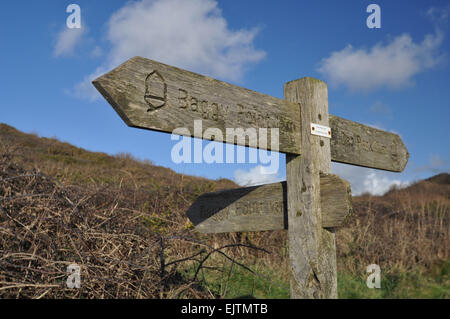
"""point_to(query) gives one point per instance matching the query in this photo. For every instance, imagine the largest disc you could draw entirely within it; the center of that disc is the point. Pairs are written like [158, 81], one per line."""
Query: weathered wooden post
[155, 96]
[312, 248]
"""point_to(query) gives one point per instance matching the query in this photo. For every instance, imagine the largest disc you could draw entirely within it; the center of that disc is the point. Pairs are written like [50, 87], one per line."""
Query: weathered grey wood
[358, 144]
[312, 249]
[155, 96]
[264, 207]
[187, 97]
[335, 201]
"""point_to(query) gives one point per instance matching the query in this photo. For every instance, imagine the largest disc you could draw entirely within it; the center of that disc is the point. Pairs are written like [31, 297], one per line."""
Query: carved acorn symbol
[155, 91]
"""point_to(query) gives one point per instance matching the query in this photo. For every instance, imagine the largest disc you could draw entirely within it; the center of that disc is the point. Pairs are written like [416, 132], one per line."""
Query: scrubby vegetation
[123, 221]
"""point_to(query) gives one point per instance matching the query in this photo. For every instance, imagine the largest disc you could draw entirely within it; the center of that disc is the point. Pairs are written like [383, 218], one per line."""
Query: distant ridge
[80, 166]
[443, 178]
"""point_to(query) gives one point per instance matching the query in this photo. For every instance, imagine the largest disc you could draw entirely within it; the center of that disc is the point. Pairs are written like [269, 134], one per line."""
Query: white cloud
[361, 179]
[257, 175]
[97, 52]
[187, 34]
[85, 89]
[365, 180]
[378, 185]
[439, 14]
[67, 40]
[392, 65]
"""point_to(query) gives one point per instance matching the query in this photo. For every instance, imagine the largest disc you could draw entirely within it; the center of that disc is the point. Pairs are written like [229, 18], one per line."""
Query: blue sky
[395, 78]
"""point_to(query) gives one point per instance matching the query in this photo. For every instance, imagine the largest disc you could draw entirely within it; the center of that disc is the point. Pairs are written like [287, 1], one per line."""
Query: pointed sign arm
[259, 208]
[175, 98]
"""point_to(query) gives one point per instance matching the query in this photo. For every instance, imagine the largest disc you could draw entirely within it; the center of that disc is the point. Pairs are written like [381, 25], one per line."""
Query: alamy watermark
[74, 278]
[74, 19]
[374, 279]
[374, 19]
[214, 153]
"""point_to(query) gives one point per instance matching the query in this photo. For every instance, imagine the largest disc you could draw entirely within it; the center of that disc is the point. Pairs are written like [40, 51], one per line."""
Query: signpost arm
[312, 249]
[155, 96]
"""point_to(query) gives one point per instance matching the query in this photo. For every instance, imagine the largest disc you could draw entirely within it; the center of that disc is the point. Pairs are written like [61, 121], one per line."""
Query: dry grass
[123, 221]
[123, 252]
[402, 230]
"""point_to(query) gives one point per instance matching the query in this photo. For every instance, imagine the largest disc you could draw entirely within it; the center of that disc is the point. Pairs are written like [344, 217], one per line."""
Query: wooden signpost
[310, 204]
[264, 207]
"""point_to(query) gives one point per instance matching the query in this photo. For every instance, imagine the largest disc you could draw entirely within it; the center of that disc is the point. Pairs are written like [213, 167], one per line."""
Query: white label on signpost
[320, 130]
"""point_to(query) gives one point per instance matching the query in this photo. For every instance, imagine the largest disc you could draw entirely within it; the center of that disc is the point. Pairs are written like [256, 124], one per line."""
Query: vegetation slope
[123, 222]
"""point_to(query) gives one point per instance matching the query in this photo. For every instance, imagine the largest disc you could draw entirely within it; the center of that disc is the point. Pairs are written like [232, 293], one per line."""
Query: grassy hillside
[122, 220]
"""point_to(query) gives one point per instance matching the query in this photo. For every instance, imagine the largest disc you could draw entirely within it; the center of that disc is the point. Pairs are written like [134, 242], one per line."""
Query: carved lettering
[204, 109]
[212, 111]
[365, 145]
[182, 98]
[242, 208]
[194, 104]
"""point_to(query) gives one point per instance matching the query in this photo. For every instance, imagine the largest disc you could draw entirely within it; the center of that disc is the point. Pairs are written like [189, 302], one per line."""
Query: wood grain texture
[190, 97]
[264, 207]
[358, 144]
[312, 249]
[155, 96]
